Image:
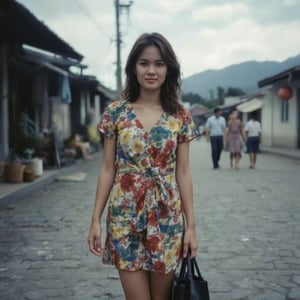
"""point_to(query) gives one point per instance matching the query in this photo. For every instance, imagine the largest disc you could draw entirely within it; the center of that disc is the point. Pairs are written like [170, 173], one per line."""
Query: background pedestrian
[253, 135]
[214, 130]
[234, 136]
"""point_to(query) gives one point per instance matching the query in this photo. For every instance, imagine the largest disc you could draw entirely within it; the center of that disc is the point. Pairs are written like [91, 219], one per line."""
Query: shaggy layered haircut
[171, 88]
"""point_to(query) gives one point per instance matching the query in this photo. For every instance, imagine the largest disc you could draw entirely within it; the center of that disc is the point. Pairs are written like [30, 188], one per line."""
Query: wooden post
[4, 98]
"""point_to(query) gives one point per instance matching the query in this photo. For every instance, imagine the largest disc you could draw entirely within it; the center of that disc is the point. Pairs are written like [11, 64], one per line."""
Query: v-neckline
[137, 119]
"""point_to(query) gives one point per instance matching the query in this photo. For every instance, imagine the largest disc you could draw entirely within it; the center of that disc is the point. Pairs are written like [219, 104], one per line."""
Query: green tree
[193, 98]
[211, 95]
[221, 94]
[234, 91]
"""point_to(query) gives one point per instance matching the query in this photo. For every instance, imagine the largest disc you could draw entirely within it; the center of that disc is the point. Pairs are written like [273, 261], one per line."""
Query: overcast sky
[205, 34]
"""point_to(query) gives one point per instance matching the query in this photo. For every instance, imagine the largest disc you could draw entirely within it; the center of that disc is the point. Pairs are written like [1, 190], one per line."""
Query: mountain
[243, 75]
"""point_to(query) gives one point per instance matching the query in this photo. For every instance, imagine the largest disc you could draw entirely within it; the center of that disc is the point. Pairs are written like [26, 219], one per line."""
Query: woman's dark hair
[252, 115]
[171, 88]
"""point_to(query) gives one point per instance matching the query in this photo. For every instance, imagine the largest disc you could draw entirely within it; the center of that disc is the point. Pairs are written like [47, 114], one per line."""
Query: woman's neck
[149, 98]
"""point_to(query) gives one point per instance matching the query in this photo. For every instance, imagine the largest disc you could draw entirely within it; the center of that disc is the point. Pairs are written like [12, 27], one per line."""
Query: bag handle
[182, 273]
[196, 267]
[189, 268]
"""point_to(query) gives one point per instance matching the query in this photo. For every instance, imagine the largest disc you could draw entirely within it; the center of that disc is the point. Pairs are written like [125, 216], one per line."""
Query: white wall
[285, 133]
[267, 118]
[276, 133]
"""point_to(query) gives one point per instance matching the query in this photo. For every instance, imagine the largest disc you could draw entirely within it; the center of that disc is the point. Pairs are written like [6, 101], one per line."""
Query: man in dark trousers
[214, 130]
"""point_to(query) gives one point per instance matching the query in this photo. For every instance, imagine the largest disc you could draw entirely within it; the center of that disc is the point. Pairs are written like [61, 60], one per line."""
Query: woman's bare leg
[254, 159]
[237, 160]
[252, 163]
[136, 284]
[161, 285]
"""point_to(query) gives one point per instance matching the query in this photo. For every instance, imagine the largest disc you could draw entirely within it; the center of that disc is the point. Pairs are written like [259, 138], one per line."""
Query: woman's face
[234, 114]
[150, 69]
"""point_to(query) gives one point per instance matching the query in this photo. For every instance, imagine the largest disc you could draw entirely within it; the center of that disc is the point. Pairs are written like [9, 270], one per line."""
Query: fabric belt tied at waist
[148, 218]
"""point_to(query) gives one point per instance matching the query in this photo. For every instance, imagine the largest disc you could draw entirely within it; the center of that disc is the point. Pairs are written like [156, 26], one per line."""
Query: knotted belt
[148, 217]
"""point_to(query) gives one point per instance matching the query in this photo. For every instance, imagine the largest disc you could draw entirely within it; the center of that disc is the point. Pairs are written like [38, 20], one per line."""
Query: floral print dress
[144, 215]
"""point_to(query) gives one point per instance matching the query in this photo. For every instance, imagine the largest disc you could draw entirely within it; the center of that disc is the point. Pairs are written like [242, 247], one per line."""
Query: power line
[87, 12]
[119, 6]
[91, 18]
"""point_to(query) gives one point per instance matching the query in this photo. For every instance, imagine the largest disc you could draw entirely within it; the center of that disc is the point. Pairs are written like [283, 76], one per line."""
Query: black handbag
[189, 284]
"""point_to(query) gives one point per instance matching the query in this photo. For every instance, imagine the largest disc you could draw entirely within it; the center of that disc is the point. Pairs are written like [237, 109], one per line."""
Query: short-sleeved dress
[234, 137]
[144, 214]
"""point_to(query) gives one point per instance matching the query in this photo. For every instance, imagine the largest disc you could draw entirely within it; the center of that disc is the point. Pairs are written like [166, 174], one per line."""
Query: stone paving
[247, 227]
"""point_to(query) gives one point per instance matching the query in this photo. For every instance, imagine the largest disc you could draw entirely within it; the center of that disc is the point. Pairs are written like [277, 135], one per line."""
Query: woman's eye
[160, 64]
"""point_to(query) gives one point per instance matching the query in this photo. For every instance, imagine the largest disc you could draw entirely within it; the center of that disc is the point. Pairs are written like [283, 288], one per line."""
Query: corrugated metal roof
[292, 73]
[18, 24]
[251, 105]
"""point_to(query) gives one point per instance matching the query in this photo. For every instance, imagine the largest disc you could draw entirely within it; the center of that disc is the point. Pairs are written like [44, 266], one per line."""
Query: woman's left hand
[190, 242]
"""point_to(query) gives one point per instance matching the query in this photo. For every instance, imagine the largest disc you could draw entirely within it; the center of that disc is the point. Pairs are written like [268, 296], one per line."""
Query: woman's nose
[151, 69]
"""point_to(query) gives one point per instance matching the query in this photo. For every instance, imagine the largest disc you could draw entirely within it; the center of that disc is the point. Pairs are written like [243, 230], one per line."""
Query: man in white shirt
[253, 136]
[214, 129]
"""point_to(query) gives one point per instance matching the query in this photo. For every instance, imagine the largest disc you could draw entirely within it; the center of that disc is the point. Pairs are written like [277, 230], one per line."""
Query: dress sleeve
[188, 129]
[107, 125]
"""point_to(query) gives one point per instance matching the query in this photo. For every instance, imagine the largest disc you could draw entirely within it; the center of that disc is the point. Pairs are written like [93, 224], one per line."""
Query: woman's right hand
[94, 239]
[190, 242]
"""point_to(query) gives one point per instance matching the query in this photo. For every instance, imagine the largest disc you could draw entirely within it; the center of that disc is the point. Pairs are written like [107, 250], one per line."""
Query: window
[284, 111]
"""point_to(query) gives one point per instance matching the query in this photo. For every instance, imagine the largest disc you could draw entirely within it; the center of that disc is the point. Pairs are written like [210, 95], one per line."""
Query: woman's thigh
[136, 284]
[161, 285]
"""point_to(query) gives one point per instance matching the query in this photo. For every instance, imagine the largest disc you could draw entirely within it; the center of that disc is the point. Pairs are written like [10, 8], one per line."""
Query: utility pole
[119, 6]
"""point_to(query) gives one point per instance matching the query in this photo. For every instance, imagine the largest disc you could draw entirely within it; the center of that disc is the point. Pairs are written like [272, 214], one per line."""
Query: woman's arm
[242, 130]
[185, 185]
[225, 133]
[207, 130]
[105, 181]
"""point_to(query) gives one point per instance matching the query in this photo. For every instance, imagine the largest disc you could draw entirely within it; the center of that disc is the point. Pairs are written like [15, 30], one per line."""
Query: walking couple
[231, 137]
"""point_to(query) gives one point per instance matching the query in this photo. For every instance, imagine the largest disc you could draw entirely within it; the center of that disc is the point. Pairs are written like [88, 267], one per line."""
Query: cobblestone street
[248, 228]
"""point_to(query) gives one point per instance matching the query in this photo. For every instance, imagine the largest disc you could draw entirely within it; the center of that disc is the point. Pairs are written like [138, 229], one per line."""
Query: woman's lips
[151, 80]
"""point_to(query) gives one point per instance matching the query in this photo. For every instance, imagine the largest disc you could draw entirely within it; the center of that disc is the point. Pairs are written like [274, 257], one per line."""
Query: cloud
[237, 42]
[217, 13]
[290, 2]
[176, 6]
[206, 34]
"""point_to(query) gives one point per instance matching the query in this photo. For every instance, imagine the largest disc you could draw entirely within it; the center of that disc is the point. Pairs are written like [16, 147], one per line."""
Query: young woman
[253, 136]
[233, 139]
[145, 175]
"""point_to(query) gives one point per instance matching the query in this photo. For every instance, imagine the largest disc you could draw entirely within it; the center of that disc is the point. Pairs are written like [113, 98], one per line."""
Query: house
[197, 111]
[230, 104]
[277, 107]
[36, 82]
[281, 110]
[251, 103]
